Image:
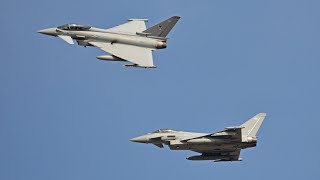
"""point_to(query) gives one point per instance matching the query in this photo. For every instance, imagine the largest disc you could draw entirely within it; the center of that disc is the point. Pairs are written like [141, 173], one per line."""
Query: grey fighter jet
[127, 42]
[218, 146]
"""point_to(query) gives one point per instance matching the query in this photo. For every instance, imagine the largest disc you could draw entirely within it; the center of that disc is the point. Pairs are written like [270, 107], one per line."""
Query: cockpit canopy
[163, 131]
[74, 27]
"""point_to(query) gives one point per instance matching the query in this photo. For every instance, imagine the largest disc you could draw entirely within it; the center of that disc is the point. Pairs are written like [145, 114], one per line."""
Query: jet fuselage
[132, 41]
[175, 141]
[223, 145]
[102, 35]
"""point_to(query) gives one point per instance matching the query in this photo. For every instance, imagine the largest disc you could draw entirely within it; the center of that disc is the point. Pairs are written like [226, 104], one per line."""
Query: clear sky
[66, 115]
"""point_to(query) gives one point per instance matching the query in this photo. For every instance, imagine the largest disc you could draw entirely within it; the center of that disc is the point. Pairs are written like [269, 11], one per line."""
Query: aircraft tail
[162, 29]
[251, 127]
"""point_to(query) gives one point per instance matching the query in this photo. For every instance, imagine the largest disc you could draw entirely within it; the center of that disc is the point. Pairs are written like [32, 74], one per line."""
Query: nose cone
[140, 139]
[49, 31]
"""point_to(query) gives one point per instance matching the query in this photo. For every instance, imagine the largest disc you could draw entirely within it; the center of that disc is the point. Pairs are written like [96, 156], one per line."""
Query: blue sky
[66, 115]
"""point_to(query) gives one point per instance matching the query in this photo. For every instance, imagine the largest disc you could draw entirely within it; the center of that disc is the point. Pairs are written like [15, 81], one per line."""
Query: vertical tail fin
[251, 127]
[162, 29]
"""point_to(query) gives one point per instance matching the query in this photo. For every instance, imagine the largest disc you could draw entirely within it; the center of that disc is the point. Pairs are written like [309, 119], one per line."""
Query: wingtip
[262, 114]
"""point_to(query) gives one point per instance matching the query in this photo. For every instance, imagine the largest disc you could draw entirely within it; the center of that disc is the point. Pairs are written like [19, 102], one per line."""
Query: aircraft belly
[120, 39]
[204, 147]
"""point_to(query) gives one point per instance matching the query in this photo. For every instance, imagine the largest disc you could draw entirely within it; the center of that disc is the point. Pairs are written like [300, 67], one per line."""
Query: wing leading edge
[132, 27]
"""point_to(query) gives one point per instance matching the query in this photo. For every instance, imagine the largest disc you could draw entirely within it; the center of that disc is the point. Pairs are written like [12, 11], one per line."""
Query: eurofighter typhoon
[127, 42]
[218, 146]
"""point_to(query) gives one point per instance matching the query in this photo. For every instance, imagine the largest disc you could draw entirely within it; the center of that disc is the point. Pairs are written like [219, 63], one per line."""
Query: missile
[214, 158]
[115, 58]
[201, 158]
[109, 58]
[136, 65]
[222, 160]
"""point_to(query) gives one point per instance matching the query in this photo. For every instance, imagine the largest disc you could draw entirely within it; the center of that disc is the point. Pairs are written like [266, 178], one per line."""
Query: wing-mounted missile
[202, 158]
[207, 157]
[224, 155]
[223, 160]
[212, 158]
[137, 66]
[110, 58]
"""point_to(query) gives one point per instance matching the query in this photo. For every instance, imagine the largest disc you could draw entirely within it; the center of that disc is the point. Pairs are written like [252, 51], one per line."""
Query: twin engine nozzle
[252, 139]
[161, 45]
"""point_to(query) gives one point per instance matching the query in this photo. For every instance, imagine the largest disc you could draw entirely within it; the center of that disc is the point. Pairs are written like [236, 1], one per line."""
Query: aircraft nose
[140, 139]
[49, 31]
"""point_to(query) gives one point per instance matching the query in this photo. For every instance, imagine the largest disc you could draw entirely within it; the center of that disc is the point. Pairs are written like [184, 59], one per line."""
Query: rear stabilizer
[162, 29]
[251, 127]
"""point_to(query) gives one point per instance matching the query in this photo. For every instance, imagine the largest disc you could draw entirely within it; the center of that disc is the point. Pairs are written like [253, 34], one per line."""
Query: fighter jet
[218, 146]
[127, 42]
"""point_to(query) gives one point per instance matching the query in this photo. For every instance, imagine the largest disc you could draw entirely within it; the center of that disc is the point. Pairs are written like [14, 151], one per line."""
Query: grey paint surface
[218, 146]
[126, 42]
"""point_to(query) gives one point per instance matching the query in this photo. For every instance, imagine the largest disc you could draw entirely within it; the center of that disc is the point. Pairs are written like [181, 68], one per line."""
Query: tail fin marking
[162, 29]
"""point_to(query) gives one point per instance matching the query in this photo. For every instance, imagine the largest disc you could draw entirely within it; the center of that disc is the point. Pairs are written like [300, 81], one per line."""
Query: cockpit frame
[74, 27]
[163, 131]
